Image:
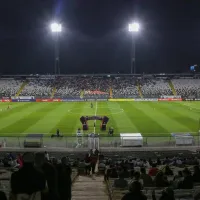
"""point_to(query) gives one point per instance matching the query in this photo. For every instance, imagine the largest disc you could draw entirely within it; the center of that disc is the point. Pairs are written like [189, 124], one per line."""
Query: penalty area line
[95, 114]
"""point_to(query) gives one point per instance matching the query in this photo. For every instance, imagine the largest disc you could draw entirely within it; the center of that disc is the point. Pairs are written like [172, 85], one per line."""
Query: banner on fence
[23, 97]
[5, 100]
[150, 99]
[72, 100]
[170, 99]
[23, 100]
[120, 99]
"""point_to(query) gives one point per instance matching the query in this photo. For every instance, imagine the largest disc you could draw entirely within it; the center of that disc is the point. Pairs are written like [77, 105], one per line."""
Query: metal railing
[104, 141]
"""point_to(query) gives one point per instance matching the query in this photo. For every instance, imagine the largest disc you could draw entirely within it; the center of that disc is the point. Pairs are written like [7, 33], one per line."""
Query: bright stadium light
[134, 27]
[55, 27]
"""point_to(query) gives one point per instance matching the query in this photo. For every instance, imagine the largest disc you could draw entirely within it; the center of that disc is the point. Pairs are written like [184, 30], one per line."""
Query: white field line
[95, 114]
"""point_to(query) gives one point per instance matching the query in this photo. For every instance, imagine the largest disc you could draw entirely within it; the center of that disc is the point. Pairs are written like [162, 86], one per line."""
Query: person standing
[64, 179]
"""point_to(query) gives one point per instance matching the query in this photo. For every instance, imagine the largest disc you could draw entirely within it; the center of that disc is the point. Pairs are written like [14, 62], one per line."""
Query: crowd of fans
[39, 175]
[9, 87]
[100, 87]
[187, 87]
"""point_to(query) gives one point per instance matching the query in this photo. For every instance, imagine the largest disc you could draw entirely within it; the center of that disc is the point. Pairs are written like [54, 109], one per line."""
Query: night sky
[95, 37]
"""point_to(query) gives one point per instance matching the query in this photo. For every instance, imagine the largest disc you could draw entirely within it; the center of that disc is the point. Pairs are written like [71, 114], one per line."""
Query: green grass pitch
[147, 118]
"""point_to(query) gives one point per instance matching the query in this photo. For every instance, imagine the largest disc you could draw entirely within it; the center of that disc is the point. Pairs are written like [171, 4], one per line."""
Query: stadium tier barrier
[83, 100]
[104, 142]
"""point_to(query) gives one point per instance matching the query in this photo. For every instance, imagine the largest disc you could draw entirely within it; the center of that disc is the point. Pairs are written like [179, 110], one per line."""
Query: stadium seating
[38, 88]
[9, 87]
[187, 87]
[155, 88]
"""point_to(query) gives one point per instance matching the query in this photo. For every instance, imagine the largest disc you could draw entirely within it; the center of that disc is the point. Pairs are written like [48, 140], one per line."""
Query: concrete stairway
[171, 85]
[88, 188]
[53, 92]
[139, 90]
[21, 88]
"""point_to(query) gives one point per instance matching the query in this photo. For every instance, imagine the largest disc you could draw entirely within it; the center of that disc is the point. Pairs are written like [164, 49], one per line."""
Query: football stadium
[99, 100]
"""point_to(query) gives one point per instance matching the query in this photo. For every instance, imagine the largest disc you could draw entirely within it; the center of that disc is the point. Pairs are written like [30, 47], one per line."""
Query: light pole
[134, 27]
[56, 29]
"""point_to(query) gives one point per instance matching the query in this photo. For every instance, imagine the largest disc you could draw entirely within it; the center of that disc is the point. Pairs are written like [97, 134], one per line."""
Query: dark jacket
[187, 183]
[134, 196]
[27, 180]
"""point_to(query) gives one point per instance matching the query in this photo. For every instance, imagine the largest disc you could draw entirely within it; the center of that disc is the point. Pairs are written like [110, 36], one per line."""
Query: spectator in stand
[154, 170]
[46, 156]
[64, 179]
[3, 196]
[113, 173]
[147, 180]
[158, 162]
[20, 160]
[196, 175]
[135, 192]
[187, 182]
[50, 174]
[167, 194]
[93, 161]
[125, 172]
[28, 180]
[161, 180]
[120, 182]
[168, 171]
[87, 164]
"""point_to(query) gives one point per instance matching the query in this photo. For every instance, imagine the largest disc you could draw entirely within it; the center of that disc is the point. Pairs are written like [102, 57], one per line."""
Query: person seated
[134, 192]
[161, 180]
[147, 180]
[153, 170]
[167, 194]
[168, 171]
[120, 182]
[196, 175]
[3, 195]
[113, 173]
[187, 182]
[124, 172]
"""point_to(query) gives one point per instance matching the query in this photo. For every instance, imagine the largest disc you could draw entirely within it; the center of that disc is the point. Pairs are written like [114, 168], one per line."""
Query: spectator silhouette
[161, 180]
[50, 174]
[167, 194]
[153, 171]
[135, 192]
[3, 196]
[120, 182]
[187, 182]
[168, 171]
[27, 180]
[147, 180]
[64, 179]
[196, 175]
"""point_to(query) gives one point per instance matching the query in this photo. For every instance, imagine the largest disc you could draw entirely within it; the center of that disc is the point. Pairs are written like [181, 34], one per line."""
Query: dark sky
[95, 36]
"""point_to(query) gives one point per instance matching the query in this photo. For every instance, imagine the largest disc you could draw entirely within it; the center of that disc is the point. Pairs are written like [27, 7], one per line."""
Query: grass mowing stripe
[67, 119]
[145, 119]
[123, 120]
[47, 121]
[29, 118]
[181, 116]
[18, 107]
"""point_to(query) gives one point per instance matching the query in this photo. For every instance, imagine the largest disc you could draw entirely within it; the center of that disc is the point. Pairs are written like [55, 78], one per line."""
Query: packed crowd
[164, 176]
[155, 88]
[9, 87]
[100, 87]
[36, 176]
[187, 87]
[38, 88]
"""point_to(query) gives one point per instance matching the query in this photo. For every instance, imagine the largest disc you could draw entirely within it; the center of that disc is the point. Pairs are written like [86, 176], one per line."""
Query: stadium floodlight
[56, 27]
[134, 27]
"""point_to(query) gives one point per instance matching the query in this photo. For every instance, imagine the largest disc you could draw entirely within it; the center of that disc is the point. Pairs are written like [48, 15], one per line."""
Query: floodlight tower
[133, 28]
[56, 29]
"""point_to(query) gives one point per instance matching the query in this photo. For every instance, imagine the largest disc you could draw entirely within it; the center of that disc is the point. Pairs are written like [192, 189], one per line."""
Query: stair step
[90, 197]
